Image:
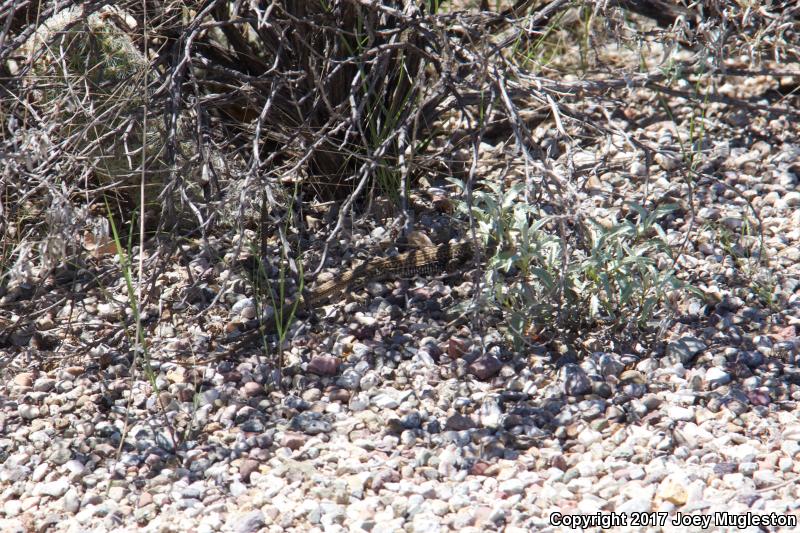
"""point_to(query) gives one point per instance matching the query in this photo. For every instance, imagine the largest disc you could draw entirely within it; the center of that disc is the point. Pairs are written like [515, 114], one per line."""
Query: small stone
[686, 348]
[385, 401]
[244, 308]
[732, 223]
[673, 491]
[459, 422]
[60, 455]
[251, 389]
[293, 441]
[576, 382]
[72, 502]
[75, 467]
[485, 367]
[324, 365]
[349, 379]
[412, 420]
[716, 377]
[667, 162]
[44, 384]
[752, 359]
[742, 453]
[456, 347]
[310, 423]
[610, 365]
[638, 169]
[479, 468]
[247, 467]
[490, 413]
[208, 397]
[652, 402]
[512, 486]
[249, 523]
[759, 397]
[12, 508]
[339, 395]
[40, 472]
[27, 411]
[369, 381]
[792, 198]
[311, 395]
[676, 412]
[56, 488]
[24, 379]
[588, 436]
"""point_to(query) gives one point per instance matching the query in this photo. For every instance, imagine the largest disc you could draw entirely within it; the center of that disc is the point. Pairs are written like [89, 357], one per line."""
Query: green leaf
[545, 278]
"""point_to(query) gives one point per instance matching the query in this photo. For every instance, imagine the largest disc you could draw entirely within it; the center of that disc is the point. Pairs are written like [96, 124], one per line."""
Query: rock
[24, 379]
[459, 422]
[588, 436]
[324, 365]
[672, 490]
[485, 367]
[576, 382]
[56, 488]
[245, 308]
[716, 377]
[742, 453]
[456, 347]
[667, 162]
[412, 420]
[638, 169]
[385, 401]
[349, 379]
[44, 384]
[512, 486]
[610, 365]
[12, 508]
[28, 411]
[370, 380]
[490, 413]
[304, 403]
[792, 198]
[339, 395]
[72, 502]
[752, 359]
[759, 397]
[686, 348]
[251, 389]
[249, 523]
[678, 413]
[247, 467]
[311, 423]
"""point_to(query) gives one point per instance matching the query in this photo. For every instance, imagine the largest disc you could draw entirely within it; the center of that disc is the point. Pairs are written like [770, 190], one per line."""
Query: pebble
[24, 379]
[485, 367]
[716, 377]
[56, 488]
[310, 423]
[588, 436]
[576, 382]
[28, 412]
[684, 414]
[686, 348]
[324, 365]
[385, 401]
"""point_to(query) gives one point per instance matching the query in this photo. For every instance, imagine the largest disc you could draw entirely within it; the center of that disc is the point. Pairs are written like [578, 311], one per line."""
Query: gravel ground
[398, 420]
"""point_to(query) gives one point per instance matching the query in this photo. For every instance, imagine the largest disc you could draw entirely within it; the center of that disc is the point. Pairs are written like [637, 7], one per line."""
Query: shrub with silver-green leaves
[570, 274]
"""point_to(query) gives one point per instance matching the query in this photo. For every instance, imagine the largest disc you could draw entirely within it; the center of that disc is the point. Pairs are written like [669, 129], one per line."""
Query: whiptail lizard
[422, 261]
